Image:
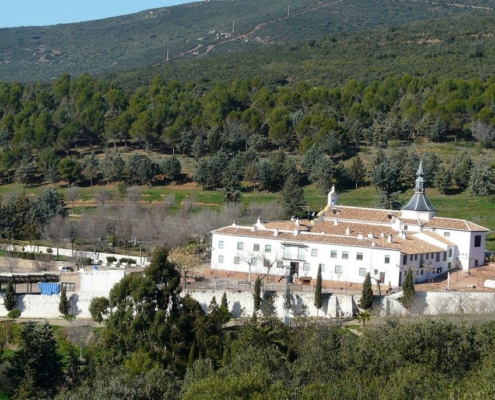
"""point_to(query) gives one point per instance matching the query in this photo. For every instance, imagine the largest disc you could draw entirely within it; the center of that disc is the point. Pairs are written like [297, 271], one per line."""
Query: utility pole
[288, 10]
[167, 55]
[233, 26]
[287, 297]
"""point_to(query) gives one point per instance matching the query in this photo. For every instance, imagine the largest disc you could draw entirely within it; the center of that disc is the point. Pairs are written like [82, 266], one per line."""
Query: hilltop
[198, 30]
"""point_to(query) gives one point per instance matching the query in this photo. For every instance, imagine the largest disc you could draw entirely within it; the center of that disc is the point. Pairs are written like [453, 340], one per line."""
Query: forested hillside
[198, 29]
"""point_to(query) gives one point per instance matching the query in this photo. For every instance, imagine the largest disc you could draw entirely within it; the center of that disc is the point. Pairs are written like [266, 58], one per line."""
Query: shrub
[49, 250]
[111, 259]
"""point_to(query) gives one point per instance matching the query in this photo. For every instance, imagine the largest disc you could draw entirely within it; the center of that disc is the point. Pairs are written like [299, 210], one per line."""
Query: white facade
[349, 242]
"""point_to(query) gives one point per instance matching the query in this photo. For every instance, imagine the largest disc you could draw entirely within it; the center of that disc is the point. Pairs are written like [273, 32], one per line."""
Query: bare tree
[133, 194]
[482, 131]
[185, 260]
[94, 229]
[102, 196]
[54, 233]
[73, 195]
[168, 202]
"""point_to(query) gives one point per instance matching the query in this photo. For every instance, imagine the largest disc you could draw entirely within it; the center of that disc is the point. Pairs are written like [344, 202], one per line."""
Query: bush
[127, 261]
[49, 250]
[111, 259]
[14, 314]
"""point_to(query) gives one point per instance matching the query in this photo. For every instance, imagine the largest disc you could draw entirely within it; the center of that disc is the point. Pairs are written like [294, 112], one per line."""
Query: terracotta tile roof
[329, 227]
[410, 245]
[454, 224]
[411, 221]
[304, 225]
[360, 214]
[438, 237]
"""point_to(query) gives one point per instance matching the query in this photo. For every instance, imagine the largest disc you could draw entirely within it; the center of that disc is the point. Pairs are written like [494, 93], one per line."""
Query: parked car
[65, 269]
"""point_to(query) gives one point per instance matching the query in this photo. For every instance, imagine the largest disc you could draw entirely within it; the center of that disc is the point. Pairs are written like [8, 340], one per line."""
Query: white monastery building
[349, 242]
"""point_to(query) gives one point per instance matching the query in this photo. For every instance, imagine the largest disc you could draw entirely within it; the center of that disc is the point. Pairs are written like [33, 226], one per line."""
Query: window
[220, 259]
[314, 252]
[306, 267]
[359, 256]
[301, 253]
[404, 260]
[411, 258]
[268, 248]
[477, 241]
[375, 272]
[338, 269]
[439, 270]
[427, 255]
[254, 262]
[475, 263]
[444, 256]
[446, 234]
[280, 264]
[237, 260]
[387, 259]
[70, 287]
[415, 257]
[345, 255]
[422, 271]
[362, 271]
[322, 266]
[421, 260]
[240, 246]
[438, 257]
[220, 244]
[333, 254]
[256, 247]
[450, 252]
[406, 227]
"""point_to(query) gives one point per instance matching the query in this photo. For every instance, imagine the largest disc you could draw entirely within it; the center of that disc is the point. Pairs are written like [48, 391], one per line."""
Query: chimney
[275, 232]
[370, 235]
[336, 222]
[347, 231]
[373, 244]
[234, 224]
[360, 236]
[297, 221]
[390, 239]
[296, 232]
[403, 235]
[292, 218]
[382, 235]
[254, 228]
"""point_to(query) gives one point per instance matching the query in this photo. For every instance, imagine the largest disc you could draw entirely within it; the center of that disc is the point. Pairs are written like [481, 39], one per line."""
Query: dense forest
[77, 128]
[156, 344]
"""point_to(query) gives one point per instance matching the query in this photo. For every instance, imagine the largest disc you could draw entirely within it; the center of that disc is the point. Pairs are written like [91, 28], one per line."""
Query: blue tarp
[49, 288]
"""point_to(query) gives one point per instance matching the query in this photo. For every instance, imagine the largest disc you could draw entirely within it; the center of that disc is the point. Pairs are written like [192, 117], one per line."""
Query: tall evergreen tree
[318, 295]
[408, 292]
[293, 197]
[224, 308]
[366, 301]
[357, 170]
[10, 297]
[63, 305]
[36, 366]
[257, 294]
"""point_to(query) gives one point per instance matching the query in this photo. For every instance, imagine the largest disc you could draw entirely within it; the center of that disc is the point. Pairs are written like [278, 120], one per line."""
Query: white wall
[99, 283]
[373, 259]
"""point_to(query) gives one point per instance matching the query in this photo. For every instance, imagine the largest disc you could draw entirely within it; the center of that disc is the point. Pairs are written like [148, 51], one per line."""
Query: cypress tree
[63, 305]
[318, 297]
[9, 299]
[224, 308]
[257, 294]
[408, 292]
[191, 358]
[366, 301]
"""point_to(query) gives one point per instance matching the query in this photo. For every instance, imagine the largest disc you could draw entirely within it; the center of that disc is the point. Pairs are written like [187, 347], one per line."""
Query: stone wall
[241, 304]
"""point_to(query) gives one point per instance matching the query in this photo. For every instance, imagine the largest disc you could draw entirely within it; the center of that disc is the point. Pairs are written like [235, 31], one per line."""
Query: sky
[15, 13]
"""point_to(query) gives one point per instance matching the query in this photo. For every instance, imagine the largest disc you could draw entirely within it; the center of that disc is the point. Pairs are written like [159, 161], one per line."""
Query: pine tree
[366, 301]
[408, 292]
[292, 197]
[318, 297]
[10, 297]
[358, 170]
[63, 305]
[257, 294]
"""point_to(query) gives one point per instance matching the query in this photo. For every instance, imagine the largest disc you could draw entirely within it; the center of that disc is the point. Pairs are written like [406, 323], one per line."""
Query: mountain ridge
[199, 29]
